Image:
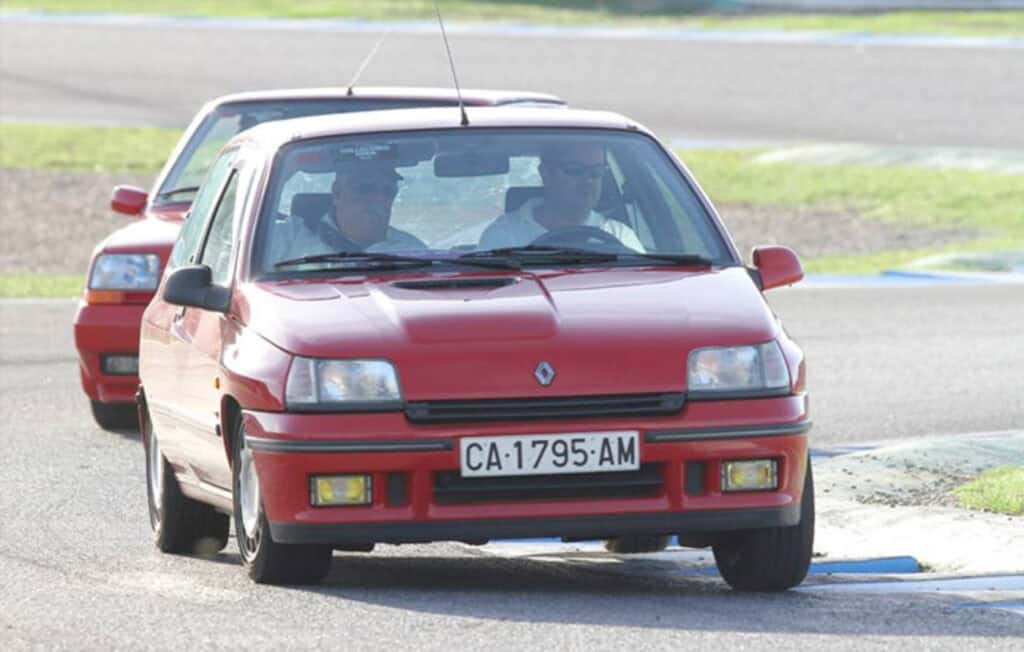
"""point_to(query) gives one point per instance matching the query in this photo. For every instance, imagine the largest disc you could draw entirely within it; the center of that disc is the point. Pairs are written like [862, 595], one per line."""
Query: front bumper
[289, 448]
[107, 330]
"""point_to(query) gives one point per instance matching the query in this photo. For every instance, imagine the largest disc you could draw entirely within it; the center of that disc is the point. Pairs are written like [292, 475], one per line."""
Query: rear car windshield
[450, 192]
[229, 119]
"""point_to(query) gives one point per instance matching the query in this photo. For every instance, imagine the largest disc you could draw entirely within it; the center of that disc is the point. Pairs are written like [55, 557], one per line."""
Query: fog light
[341, 490]
[120, 365]
[750, 475]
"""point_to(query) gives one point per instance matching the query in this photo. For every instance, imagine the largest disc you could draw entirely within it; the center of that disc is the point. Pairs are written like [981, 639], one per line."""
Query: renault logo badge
[544, 373]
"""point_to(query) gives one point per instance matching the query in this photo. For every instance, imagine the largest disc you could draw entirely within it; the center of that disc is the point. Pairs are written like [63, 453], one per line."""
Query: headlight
[125, 272]
[738, 369]
[319, 384]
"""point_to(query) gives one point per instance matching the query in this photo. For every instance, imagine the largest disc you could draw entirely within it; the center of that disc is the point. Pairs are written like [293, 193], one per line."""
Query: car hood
[148, 235]
[607, 331]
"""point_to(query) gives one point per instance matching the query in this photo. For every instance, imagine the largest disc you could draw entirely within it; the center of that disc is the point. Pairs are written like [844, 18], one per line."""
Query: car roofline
[272, 135]
[475, 97]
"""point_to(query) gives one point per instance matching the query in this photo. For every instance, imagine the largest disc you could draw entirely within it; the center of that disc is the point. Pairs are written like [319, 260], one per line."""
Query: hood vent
[458, 283]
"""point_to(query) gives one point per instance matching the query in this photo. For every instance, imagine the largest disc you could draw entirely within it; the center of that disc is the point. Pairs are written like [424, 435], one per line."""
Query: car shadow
[608, 593]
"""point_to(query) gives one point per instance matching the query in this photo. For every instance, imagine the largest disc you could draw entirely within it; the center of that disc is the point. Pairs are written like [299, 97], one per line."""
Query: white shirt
[520, 228]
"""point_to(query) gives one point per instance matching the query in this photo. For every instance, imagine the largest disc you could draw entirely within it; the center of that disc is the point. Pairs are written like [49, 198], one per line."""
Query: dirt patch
[51, 220]
[814, 232]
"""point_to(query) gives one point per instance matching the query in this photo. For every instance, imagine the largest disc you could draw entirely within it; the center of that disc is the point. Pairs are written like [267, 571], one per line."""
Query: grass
[996, 490]
[40, 285]
[141, 150]
[981, 201]
[620, 12]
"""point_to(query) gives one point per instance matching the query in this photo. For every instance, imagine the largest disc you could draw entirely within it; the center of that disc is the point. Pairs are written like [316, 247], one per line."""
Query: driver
[572, 175]
[364, 193]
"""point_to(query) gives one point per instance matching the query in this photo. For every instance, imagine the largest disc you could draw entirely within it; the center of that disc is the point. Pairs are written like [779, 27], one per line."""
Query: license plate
[584, 452]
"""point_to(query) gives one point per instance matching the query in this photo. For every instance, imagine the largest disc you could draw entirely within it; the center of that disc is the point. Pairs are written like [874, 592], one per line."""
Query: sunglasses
[577, 170]
[370, 188]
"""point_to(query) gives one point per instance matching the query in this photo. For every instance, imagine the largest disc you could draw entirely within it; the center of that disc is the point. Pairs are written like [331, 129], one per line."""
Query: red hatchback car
[405, 326]
[126, 266]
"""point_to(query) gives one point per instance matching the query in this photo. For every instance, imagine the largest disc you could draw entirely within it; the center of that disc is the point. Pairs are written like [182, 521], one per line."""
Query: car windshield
[182, 181]
[509, 197]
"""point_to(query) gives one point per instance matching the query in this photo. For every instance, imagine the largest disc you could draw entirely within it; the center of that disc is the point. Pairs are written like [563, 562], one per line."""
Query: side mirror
[777, 266]
[192, 286]
[128, 200]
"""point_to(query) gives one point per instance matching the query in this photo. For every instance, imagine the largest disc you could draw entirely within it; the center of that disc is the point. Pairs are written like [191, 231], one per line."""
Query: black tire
[265, 560]
[633, 544]
[770, 559]
[180, 525]
[115, 416]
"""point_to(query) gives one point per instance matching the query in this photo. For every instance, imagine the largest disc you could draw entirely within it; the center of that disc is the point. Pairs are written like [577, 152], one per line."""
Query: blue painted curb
[998, 604]
[881, 566]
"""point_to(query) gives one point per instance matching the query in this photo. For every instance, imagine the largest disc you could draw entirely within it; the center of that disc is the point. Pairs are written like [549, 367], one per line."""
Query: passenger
[572, 176]
[364, 192]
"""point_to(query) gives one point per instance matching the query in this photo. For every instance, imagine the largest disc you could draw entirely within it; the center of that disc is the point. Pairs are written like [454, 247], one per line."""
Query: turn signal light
[750, 475]
[334, 490]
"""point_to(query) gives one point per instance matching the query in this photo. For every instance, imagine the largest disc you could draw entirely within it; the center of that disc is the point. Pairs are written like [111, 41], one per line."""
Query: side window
[220, 243]
[192, 231]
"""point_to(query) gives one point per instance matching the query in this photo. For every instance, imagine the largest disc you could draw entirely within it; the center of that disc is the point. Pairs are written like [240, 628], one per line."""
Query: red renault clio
[427, 325]
[126, 266]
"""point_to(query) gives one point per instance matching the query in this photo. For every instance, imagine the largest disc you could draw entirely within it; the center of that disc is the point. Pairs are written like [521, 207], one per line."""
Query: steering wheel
[578, 236]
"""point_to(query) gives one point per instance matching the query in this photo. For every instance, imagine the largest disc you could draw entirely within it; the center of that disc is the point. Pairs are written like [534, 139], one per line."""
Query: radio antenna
[451, 62]
[366, 61]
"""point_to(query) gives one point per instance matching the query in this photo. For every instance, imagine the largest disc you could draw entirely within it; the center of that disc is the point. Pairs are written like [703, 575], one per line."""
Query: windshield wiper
[355, 257]
[549, 254]
[375, 258]
[543, 253]
[177, 191]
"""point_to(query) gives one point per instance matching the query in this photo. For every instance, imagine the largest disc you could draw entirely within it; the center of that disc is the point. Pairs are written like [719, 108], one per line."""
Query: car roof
[272, 135]
[470, 96]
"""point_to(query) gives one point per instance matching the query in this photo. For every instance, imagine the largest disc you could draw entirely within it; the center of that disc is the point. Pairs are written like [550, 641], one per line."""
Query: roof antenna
[366, 62]
[458, 91]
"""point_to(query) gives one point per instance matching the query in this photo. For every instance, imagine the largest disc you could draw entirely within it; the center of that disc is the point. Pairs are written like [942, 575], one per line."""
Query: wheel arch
[230, 414]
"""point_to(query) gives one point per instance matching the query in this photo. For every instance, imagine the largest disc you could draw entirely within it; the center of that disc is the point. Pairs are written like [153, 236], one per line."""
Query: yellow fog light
[750, 475]
[328, 490]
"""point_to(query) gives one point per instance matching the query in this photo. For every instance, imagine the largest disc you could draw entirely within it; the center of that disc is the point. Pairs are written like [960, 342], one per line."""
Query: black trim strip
[349, 445]
[761, 430]
[740, 394]
[590, 527]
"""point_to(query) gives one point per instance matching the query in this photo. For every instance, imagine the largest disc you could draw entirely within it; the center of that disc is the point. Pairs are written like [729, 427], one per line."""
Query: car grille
[452, 489]
[566, 407]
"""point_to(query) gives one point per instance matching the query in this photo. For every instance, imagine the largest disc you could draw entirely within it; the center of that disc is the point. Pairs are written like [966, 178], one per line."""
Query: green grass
[620, 12]
[39, 285]
[140, 150]
[997, 490]
[982, 201]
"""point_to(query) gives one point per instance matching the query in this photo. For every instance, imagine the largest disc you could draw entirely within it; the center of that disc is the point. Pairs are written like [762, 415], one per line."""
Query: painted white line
[781, 37]
[1003, 584]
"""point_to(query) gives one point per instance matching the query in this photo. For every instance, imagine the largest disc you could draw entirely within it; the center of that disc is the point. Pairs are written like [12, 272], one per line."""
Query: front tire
[115, 416]
[180, 525]
[266, 561]
[770, 559]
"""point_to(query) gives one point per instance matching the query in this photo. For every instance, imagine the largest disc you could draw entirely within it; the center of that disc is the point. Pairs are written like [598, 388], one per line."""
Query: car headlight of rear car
[738, 370]
[125, 272]
[352, 384]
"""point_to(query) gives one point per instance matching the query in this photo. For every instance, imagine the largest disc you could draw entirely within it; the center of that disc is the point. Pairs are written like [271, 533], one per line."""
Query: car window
[192, 231]
[477, 190]
[230, 119]
[219, 242]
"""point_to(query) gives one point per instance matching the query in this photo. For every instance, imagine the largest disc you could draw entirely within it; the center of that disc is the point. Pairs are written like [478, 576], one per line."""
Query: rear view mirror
[128, 200]
[470, 164]
[192, 285]
[777, 266]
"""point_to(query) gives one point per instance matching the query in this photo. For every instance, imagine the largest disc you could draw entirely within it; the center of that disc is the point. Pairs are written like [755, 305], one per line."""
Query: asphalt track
[871, 91]
[77, 568]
